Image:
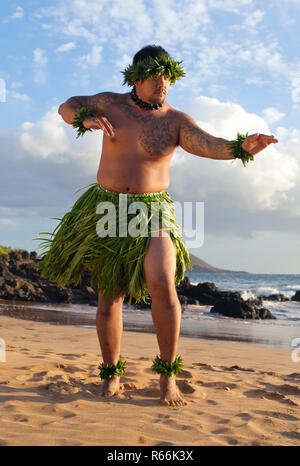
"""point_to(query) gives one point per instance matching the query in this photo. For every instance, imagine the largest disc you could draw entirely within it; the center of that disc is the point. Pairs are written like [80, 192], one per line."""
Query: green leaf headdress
[148, 67]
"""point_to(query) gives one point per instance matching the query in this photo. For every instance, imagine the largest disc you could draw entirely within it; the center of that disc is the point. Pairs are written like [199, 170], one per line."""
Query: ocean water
[197, 321]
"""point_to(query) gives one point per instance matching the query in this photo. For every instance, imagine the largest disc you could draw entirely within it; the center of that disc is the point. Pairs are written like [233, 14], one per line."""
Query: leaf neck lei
[149, 67]
[141, 102]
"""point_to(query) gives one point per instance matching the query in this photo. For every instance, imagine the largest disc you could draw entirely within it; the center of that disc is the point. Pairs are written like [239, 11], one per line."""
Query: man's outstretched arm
[195, 140]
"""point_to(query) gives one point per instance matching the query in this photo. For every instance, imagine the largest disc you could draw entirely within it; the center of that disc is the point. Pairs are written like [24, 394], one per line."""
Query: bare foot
[170, 395]
[110, 386]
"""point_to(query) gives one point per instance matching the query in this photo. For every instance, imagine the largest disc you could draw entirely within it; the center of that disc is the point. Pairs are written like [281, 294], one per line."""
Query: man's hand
[99, 123]
[257, 142]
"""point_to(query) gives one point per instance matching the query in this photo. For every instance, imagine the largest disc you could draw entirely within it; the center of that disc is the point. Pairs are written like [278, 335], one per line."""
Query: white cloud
[216, 54]
[257, 81]
[66, 47]
[53, 140]
[43, 164]
[18, 14]
[39, 62]
[18, 95]
[254, 18]
[233, 6]
[260, 187]
[271, 115]
[39, 56]
[93, 58]
[123, 61]
[250, 22]
[16, 84]
[45, 139]
[295, 82]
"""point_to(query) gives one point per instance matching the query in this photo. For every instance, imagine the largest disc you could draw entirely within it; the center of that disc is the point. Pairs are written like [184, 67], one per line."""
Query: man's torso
[137, 158]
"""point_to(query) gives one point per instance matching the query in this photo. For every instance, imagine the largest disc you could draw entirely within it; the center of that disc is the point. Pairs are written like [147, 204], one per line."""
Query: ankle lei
[161, 366]
[110, 370]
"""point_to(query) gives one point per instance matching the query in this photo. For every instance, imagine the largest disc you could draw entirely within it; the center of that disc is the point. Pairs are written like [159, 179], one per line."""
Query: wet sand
[271, 333]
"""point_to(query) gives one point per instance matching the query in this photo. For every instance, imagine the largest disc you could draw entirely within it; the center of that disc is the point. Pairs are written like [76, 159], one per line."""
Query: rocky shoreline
[20, 281]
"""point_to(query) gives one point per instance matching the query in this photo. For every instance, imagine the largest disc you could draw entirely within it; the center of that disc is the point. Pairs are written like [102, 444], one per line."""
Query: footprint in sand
[220, 385]
[245, 416]
[278, 415]
[223, 421]
[62, 388]
[184, 374]
[152, 391]
[288, 389]
[164, 444]
[220, 431]
[163, 418]
[206, 366]
[185, 386]
[70, 355]
[292, 435]
[264, 394]
[293, 375]
[236, 368]
[212, 402]
[128, 386]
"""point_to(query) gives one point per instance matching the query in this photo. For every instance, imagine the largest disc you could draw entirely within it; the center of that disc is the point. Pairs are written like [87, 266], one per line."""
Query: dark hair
[149, 51]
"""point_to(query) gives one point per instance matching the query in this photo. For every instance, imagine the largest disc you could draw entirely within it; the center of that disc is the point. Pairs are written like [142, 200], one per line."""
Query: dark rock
[15, 256]
[204, 293]
[55, 293]
[265, 313]
[3, 269]
[239, 308]
[25, 255]
[20, 280]
[183, 300]
[184, 286]
[257, 301]
[229, 295]
[235, 308]
[33, 255]
[4, 259]
[277, 297]
[296, 296]
[192, 301]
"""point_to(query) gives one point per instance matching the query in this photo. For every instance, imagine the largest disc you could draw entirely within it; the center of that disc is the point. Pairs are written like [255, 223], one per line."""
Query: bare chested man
[138, 145]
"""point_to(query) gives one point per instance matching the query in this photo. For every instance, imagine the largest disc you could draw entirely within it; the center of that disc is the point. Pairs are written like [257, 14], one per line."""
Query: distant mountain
[200, 266]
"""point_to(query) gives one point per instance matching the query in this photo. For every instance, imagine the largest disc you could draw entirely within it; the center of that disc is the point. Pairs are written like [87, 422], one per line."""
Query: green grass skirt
[116, 262]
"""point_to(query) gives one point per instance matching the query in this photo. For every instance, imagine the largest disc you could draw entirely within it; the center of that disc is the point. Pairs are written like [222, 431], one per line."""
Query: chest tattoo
[157, 137]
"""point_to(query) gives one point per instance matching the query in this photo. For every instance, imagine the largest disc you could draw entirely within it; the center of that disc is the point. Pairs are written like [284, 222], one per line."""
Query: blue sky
[243, 74]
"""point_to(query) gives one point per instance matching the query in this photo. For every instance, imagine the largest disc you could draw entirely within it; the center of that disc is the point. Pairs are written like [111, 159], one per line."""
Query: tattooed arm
[195, 140]
[97, 103]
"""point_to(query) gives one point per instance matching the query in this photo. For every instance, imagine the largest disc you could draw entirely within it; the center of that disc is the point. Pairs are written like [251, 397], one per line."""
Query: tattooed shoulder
[100, 102]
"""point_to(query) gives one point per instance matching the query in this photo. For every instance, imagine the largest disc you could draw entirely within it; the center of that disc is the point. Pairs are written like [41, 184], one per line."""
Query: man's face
[153, 90]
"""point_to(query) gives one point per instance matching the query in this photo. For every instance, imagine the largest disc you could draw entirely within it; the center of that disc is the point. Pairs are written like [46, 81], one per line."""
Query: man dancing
[141, 134]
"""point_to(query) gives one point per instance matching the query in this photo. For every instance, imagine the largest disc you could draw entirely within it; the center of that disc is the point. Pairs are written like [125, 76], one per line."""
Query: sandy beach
[236, 394]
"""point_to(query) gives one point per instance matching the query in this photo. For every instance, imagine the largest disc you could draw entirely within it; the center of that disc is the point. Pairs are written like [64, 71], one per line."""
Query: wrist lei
[237, 151]
[110, 370]
[167, 368]
[147, 68]
[79, 117]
